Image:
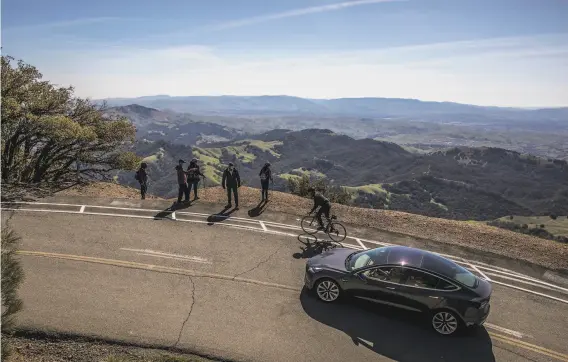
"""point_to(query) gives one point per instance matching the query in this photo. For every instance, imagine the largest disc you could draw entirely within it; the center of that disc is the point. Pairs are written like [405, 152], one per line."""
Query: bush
[335, 194]
[511, 217]
[542, 226]
[553, 216]
[12, 276]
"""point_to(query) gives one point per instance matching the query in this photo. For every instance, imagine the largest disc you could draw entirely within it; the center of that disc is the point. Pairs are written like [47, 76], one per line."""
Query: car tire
[445, 322]
[327, 290]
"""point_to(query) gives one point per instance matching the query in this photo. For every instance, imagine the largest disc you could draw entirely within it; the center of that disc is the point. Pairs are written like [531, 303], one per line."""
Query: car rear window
[449, 269]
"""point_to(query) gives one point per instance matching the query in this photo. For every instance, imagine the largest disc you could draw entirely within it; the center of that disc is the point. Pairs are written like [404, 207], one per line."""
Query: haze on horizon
[500, 53]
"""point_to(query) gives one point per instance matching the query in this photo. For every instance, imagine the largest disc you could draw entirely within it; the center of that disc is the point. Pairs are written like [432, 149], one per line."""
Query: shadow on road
[258, 209]
[220, 216]
[396, 334]
[312, 246]
[167, 213]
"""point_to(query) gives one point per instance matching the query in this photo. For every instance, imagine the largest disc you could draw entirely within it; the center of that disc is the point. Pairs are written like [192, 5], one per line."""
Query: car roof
[402, 255]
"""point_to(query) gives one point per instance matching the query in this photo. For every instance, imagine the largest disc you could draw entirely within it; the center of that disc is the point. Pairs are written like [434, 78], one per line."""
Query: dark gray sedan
[403, 277]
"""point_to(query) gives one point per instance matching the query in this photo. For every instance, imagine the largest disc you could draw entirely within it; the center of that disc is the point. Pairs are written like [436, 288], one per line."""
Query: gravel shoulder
[39, 347]
[476, 236]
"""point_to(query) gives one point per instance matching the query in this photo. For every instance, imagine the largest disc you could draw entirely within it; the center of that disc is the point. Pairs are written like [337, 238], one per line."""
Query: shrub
[525, 226]
[553, 216]
[511, 217]
[335, 194]
[12, 276]
[542, 226]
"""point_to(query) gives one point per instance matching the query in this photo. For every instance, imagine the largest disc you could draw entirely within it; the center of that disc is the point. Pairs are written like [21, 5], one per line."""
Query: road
[236, 292]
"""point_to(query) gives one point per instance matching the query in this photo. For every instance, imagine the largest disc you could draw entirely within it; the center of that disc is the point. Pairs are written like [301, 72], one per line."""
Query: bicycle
[334, 229]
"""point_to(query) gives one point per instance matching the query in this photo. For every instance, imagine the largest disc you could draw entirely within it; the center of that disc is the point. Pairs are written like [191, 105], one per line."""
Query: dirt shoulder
[42, 348]
[477, 236]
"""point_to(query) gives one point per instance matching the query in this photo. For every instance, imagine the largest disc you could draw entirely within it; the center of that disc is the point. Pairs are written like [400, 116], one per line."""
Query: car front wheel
[327, 290]
[445, 322]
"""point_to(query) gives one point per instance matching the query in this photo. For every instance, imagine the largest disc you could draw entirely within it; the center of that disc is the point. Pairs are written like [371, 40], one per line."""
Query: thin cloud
[296, 12]
[66, 23]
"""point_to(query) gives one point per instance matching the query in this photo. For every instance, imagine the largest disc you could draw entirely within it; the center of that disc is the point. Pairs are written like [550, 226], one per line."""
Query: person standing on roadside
[142, 177]
[265, 177]
[193, 173]
[231, 182]
[182, 182]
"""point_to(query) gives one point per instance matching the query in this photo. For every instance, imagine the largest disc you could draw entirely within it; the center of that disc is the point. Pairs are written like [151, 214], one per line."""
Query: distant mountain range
[359, 107]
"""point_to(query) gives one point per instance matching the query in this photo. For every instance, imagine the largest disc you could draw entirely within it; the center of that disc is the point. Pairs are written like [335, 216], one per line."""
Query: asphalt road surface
[236, 293]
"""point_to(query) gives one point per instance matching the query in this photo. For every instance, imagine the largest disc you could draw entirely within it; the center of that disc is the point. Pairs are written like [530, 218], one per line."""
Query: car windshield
[366, 258]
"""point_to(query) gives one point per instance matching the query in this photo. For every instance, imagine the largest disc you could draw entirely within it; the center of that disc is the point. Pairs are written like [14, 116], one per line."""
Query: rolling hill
[459, 183]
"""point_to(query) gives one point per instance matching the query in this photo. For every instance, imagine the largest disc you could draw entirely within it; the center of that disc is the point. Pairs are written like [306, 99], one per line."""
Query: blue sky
[487, 52]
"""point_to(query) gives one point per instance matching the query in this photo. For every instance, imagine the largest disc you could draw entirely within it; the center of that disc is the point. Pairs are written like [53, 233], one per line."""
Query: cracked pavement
[234, 320]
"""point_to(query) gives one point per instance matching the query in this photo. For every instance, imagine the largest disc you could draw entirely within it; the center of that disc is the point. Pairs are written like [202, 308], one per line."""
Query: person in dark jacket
[265, 177]
[231, 182]
[193, 173]
[142, 177]
[324, 206]
[182, 182]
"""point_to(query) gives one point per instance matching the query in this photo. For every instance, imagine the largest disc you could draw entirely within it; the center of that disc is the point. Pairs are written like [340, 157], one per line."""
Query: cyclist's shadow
[312, 246]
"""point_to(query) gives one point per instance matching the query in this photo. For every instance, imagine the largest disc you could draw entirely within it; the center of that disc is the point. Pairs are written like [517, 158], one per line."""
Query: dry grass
[478, 236]
[105, 189]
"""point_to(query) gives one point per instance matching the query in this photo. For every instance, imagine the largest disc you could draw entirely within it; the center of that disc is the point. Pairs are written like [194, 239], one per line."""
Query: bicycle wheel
[309, 224]
[337, 232]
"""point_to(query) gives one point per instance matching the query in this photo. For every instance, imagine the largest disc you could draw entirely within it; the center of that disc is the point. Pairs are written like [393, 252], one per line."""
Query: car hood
[331, 259]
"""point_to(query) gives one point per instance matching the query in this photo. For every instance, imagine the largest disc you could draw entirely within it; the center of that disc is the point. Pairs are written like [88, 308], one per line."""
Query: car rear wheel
[445, 322]
[327, 290]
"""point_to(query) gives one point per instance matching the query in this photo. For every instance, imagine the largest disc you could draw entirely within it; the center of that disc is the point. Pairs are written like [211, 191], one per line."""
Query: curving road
[233, 288]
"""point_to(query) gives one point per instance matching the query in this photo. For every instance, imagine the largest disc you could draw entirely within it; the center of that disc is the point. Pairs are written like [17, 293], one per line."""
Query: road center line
[82, 210]
[263, 226]
[152, 267]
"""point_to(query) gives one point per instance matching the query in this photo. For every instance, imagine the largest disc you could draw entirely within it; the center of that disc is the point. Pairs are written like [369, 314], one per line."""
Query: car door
[421, 290]
[378, 284]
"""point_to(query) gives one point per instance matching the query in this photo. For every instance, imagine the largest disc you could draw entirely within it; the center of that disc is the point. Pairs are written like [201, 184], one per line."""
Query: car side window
[384, 274]
[444, 285]
[416, 278]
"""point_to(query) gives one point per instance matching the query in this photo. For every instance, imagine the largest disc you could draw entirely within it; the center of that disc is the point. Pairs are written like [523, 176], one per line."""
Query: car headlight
[314, 269]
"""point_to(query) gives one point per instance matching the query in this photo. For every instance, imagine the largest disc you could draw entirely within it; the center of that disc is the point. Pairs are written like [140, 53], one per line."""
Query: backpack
[192, 174]
[137, 175]
[264, 175]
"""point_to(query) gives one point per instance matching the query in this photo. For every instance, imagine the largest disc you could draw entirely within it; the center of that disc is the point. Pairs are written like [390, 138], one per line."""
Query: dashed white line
[480, 272]
[82, 210]
[361, 243]
[506, 330]
[150, 252]
[263, 226]
[174, 215]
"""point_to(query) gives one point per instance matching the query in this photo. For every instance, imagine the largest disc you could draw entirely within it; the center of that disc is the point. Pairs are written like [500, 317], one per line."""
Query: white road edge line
[361, 243]
[263, 226]
[174, 215]
[480, 272]
[530, 291]
[527, 282]
[82, 210]
[506, 330]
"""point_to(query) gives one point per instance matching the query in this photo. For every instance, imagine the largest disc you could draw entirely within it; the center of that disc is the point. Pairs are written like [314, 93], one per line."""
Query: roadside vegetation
[51, 137]
[12, 276]
[336, 194]
[550, 227]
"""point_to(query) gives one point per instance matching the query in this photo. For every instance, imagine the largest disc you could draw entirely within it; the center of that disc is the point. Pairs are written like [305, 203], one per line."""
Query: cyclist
[324, 206]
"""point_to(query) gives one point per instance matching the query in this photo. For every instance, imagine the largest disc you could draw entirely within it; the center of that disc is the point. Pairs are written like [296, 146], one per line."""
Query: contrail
[297, 12]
